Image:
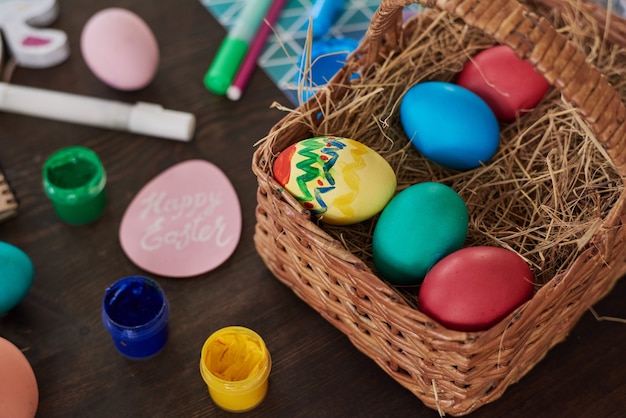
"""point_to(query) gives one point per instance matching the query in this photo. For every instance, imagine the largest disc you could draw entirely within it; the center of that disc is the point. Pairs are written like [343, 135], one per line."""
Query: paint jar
[235, 364]
[135, 311]
[74, 180]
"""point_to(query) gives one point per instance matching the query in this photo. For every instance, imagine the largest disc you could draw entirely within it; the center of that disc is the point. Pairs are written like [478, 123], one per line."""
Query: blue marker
[324, 13]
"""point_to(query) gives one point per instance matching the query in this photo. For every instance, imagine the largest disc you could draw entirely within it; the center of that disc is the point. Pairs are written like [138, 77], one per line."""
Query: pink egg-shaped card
[184, 222]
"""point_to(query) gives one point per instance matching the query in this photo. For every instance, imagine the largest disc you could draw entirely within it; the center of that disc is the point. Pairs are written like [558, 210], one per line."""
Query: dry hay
[543, 194]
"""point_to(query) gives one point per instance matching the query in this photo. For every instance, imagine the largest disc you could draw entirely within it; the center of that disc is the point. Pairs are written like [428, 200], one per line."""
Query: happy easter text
[201, 227]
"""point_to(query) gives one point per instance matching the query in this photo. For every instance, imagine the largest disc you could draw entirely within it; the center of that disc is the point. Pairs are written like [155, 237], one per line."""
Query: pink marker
[256, 47]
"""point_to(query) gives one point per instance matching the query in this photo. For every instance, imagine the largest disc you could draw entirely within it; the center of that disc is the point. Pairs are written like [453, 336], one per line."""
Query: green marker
[235, 46]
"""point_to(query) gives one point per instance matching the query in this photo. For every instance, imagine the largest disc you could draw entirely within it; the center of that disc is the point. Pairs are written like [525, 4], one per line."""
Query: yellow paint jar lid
[235, 364]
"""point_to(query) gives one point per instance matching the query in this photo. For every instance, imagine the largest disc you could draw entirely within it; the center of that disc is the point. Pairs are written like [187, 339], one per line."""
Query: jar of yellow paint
[235, 364]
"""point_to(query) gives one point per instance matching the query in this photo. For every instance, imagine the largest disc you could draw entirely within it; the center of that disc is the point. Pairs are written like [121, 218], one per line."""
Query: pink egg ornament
[474, 288]
[184, 222]
[508, 84]
[120, 49]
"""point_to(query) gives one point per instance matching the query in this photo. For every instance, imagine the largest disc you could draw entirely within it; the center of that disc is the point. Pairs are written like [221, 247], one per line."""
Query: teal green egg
[16, 276]
[417, 228]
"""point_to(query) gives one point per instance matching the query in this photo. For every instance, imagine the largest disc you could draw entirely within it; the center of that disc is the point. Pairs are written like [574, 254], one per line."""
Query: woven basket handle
[535, 40]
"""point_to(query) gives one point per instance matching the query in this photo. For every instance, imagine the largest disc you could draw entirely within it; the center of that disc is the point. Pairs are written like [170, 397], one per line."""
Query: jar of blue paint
[136, 311]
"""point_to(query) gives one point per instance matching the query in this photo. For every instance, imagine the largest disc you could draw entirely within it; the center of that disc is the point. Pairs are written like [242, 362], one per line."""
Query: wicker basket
[452, 372]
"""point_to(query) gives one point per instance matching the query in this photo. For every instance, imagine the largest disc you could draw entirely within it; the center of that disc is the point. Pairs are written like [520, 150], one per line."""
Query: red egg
[507, 83]
[474, 288]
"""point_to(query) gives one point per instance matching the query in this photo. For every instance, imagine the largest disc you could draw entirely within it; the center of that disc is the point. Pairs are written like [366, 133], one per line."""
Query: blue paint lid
[326, 58]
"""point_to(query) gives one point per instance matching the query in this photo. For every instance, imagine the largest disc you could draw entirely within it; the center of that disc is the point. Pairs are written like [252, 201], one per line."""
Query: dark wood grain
[316, 371]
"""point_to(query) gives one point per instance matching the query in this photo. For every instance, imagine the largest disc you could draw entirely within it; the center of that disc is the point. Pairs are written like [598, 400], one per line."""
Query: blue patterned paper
[281, 54]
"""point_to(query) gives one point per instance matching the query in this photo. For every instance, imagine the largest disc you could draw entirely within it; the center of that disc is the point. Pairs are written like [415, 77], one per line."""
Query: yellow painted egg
[340, 180]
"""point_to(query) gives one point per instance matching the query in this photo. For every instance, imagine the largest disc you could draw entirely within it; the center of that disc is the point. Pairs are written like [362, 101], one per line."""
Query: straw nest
[545, 192]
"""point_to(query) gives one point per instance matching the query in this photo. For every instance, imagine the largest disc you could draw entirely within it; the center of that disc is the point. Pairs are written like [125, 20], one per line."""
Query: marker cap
[151, 119]
[225, 65]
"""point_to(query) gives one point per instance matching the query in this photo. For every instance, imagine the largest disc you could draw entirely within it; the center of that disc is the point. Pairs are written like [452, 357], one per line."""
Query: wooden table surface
[316, 371]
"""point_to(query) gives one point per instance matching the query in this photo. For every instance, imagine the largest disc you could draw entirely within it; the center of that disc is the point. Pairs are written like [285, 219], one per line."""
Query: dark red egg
[508, 84]
[474, 288]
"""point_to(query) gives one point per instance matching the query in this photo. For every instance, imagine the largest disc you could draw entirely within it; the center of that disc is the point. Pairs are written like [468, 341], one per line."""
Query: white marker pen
[140, 118]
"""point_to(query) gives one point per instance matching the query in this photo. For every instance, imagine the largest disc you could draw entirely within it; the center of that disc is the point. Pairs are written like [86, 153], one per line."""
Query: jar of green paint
[74, 180]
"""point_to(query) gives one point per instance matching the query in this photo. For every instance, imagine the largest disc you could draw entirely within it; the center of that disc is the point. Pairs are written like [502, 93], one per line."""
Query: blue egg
[418, 227]
[449, 125]
[16, 276]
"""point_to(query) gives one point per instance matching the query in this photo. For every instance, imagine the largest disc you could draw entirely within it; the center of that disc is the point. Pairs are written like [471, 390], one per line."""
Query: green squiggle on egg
[309, 166]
